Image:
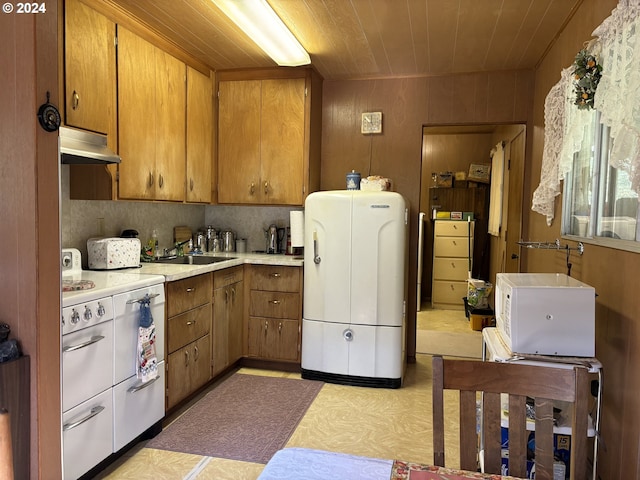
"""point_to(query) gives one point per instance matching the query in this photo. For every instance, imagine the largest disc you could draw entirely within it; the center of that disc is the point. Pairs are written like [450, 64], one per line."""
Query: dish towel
[146, 361]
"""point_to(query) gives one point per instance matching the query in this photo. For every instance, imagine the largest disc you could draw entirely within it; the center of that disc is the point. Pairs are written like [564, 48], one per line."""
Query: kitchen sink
[193, 260]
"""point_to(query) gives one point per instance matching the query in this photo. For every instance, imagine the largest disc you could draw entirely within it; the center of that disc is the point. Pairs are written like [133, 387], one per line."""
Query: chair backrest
[543, 384]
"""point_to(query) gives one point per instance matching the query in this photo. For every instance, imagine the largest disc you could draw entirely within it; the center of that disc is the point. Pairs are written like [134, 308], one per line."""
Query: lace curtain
[617, 47]
[618, 50]
[564, 129]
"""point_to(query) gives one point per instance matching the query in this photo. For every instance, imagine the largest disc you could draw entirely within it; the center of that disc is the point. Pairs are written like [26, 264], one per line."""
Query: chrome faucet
[177, 249]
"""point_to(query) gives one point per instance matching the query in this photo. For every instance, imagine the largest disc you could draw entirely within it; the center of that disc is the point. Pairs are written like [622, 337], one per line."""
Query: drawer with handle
[187, 327]
[274, 304]
[183, 295]
[275, 278]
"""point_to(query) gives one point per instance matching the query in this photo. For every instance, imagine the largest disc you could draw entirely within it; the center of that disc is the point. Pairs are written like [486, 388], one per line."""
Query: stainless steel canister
[228, 239]
[211, 234]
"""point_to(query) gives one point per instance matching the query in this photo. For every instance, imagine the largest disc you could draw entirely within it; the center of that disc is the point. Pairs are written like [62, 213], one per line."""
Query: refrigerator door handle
[316, 257]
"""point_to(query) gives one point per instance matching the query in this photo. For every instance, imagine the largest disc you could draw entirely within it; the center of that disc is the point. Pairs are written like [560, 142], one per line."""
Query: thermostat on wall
[371, 122]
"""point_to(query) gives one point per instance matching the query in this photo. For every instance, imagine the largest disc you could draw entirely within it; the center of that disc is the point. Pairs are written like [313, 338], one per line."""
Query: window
[598, 202]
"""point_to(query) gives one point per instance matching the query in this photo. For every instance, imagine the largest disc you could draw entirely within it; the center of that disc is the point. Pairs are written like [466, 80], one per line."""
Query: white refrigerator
[355, 288]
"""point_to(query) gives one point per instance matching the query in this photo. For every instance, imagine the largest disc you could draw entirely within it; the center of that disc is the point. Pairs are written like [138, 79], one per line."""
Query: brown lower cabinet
[188, 368]
[275, 313]
[274, 338]
[189, 313]
[228, 312]
[215, 319]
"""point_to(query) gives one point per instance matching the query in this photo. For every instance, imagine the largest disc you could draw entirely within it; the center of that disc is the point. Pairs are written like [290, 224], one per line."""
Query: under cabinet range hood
[84, 147]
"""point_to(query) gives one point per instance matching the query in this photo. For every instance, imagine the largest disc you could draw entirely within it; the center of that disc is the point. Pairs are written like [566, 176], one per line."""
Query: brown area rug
[246, 417]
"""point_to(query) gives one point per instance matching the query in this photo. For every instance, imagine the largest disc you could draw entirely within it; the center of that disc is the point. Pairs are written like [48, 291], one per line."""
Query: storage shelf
[494, 349]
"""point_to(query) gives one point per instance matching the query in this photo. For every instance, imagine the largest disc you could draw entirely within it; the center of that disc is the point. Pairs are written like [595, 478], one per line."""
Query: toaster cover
[113, 253]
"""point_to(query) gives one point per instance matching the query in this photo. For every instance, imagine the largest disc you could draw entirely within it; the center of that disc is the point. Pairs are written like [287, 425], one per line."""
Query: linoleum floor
[373, 422]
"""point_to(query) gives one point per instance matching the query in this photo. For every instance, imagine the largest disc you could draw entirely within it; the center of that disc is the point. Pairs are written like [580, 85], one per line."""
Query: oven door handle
[140, 300]
[94, 411]
[94, 339]
[140, 386]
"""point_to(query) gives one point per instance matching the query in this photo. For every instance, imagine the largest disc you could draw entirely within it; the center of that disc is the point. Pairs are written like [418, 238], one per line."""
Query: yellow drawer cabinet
[274, 313]
[452, 260]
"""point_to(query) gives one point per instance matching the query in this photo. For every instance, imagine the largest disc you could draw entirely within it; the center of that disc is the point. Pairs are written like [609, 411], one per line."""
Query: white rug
[451, 344]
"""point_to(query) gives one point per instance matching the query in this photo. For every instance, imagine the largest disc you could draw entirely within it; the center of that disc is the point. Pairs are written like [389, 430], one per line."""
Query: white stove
[80, 285]
[104, 404]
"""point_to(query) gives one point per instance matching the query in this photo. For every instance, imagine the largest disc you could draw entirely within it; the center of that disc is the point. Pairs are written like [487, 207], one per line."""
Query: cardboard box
[444, 180]
[478, 321]
[480, 173]
[561, 453]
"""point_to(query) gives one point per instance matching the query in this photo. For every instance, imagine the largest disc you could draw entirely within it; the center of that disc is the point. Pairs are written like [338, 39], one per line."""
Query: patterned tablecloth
[417, 471]
[294, 463]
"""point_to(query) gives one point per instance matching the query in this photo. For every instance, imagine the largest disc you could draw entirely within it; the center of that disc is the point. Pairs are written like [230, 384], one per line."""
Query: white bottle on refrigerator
[355, 286]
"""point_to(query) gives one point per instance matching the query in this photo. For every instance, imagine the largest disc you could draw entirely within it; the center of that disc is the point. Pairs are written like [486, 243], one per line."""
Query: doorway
[453, 148]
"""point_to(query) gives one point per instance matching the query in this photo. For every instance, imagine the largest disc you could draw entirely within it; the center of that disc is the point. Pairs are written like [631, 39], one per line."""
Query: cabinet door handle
[279, 327]
[266, 326]
[275, 275]
[186, 358]
[191, 184]
[191, 322]
[196, 354]
[151, 179]
[454, 242]
[161, 181]
[252, 188]
[191, 289]
[451, 287]
[275, 302]
[226, 295]
[453, 265]
[266, 187]
[75, 102]
[233, 294]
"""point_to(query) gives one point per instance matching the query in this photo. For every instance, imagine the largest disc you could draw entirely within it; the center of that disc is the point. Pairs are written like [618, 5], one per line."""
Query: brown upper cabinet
[161, 107]
[268, 136]
[90, 70]
[199, 137]
[151, 121]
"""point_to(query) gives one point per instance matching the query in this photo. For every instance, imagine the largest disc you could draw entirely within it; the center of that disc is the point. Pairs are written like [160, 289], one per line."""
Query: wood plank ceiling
[372, 38]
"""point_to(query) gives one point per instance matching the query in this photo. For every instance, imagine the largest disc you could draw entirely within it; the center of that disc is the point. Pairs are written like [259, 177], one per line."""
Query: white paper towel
[296, 222]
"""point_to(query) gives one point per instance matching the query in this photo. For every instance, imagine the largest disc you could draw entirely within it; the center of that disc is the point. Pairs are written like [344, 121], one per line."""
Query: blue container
[353, 180]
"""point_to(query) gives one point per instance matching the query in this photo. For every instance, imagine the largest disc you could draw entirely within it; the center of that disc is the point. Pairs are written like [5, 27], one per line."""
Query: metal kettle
[271, 235]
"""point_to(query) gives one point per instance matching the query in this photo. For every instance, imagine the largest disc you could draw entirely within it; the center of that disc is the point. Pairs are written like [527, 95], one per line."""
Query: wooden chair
[543, 384]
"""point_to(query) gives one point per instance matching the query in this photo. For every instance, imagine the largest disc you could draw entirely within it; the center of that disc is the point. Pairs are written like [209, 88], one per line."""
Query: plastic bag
[478, 292]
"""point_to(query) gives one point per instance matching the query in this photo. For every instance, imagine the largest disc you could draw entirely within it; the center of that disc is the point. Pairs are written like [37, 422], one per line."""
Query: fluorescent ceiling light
[258, 20]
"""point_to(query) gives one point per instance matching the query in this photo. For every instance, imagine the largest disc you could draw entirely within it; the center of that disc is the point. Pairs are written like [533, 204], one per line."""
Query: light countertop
[172, 272]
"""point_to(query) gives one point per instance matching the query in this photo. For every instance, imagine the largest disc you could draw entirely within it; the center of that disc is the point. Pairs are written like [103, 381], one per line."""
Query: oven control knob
[75, 317]
[87, 314]
[101, 311]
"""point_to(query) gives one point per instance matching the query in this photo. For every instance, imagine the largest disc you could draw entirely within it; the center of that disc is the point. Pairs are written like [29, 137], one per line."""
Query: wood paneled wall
[30, 240]
[613, 273]
[408, 104]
